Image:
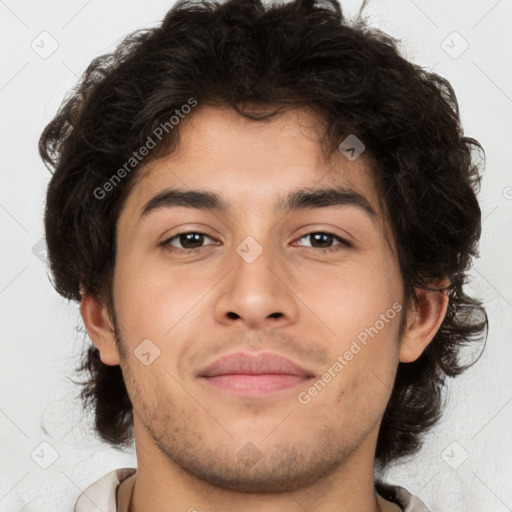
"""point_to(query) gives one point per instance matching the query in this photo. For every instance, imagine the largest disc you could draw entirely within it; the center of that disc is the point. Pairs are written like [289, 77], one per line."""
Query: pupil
[186, 239]
[322, 235]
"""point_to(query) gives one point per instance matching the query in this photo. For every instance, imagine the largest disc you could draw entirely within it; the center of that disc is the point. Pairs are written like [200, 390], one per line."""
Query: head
[251, 103]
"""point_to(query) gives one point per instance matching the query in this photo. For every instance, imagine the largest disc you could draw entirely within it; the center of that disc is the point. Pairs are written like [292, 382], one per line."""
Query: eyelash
[343, 243]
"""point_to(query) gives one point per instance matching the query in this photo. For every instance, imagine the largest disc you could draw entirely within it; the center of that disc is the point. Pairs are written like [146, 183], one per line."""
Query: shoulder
[401, 496]
[102, 493]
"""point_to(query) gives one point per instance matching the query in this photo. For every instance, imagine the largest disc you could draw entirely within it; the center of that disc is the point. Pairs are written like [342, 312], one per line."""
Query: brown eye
[188, 241]
[323, 240]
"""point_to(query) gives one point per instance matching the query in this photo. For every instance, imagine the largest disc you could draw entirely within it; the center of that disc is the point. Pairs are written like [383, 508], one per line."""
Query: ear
[423, 321]
[100, 328]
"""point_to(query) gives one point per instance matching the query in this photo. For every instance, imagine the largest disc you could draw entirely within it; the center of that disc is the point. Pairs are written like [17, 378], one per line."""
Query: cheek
[154, 302]
[351, 299]
[361, 305]
[137, 293]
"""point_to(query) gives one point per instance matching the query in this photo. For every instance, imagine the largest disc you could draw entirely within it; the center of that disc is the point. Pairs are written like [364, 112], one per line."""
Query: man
[267, 216]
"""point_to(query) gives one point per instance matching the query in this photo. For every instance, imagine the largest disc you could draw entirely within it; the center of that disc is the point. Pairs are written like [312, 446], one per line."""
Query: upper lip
[253, 364]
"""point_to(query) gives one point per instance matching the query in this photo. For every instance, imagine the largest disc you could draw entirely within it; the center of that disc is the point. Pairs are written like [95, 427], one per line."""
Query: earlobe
[99, 328]
[424, 322]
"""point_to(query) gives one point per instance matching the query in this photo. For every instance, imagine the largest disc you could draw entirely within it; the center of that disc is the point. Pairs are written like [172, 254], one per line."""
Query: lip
[262, 363]
[245, 373]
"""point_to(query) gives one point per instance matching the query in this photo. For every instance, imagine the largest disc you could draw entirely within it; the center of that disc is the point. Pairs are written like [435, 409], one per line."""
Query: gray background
[465, 462]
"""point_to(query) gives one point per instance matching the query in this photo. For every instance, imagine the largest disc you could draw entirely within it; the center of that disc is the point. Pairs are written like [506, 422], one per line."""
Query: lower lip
[254, 384]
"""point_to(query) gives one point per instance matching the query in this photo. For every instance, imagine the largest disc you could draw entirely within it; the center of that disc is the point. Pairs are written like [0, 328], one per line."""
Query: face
[318, 285]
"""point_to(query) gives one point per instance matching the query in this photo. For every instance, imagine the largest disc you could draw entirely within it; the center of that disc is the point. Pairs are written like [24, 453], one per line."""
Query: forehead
[253, 165]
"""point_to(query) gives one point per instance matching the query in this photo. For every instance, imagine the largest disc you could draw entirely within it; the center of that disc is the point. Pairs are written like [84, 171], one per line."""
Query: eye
[322, 240]
[190, 241]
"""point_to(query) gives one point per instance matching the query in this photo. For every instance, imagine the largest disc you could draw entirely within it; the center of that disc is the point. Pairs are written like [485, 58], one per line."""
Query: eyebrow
[300, 199]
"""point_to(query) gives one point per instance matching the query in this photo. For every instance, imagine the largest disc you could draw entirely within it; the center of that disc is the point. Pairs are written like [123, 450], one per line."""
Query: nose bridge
[256, 292]
[252, 266]
[257, 246]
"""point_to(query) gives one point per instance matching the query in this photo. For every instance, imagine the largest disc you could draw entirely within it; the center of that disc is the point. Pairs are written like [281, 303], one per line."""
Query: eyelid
[309, 230]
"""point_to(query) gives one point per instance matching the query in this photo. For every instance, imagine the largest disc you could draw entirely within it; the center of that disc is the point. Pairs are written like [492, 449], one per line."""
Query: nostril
[233, 315]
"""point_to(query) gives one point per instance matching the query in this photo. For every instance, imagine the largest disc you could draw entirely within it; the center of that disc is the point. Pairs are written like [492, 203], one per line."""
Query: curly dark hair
[303, 53]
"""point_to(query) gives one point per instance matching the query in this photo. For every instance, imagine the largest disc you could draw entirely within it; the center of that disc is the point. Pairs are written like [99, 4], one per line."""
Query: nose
[256, 292]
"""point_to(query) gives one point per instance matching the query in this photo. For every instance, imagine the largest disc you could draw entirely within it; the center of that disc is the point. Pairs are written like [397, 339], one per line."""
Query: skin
[317, 456]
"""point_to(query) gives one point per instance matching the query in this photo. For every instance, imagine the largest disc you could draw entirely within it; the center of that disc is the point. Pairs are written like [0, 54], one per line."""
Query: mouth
[254, 384]
[247, 374]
